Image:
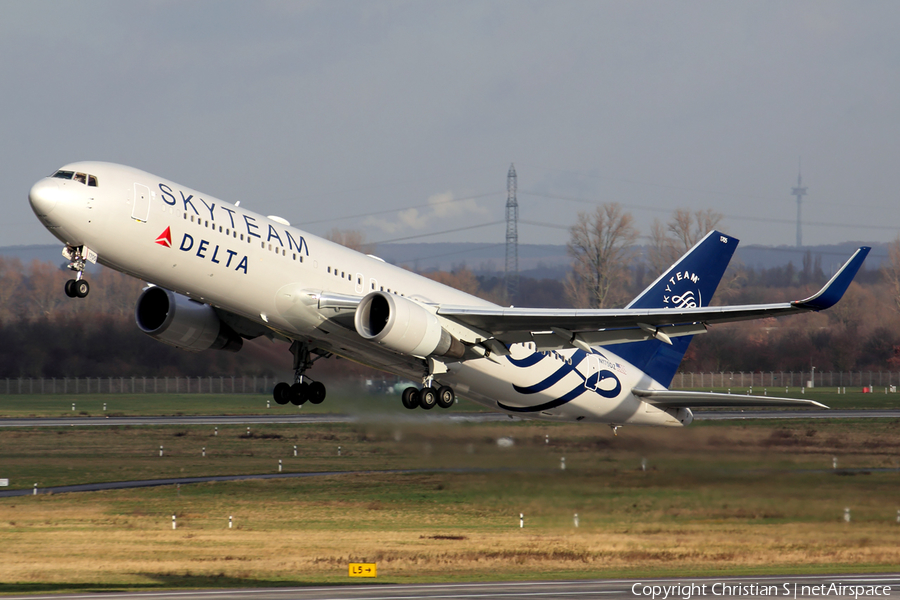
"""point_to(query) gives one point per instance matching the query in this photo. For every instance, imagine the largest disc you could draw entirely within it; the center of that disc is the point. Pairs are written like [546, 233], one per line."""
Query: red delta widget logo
[206, 250]
[165, 238]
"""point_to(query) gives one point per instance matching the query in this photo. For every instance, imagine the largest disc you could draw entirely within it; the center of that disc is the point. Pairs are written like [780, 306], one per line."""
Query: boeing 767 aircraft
[219, 273]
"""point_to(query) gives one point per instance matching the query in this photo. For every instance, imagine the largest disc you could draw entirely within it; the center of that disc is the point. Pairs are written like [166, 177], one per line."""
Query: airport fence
[744, 380]
[739, 381]
[138, 385]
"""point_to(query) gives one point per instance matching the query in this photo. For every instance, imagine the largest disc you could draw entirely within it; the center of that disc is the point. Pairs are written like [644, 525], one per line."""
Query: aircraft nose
[43, 197]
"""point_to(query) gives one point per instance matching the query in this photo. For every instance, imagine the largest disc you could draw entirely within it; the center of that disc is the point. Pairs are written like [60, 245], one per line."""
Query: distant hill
[540, 261]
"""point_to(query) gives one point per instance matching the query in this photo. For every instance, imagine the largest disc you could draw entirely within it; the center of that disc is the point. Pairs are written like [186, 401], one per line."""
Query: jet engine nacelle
[184, 323]
[404, 326]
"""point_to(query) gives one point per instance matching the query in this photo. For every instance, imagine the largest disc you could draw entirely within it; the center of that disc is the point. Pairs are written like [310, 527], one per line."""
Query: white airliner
[220, 273]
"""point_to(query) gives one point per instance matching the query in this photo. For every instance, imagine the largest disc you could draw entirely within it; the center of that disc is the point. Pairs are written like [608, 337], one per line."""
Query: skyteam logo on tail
[682, 291]
[165, 238]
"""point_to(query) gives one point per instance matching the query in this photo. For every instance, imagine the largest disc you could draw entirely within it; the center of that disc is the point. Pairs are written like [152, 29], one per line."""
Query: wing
[554, 328]
[681, 399]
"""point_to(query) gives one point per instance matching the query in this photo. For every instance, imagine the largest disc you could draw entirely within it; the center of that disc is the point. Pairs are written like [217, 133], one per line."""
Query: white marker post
[229, 522]
[35, 490]
[834, 462]
[547, 439]
[279, 465]
[295, 450]
[160, 450]
[846, 515]
[73, 406]
[339, 450]
[204, 451]
[173, 522]
[521, 520]
[104, 407]
[216, 432]
[576, 520]
[562, 463]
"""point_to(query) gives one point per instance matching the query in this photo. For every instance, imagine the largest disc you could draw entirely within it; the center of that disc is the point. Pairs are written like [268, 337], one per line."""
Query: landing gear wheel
[445, 396]
[410, 398]
[70, 288]
[316, 392]
[428, 398]
[299, 393]
[81, 288]
[281, 393]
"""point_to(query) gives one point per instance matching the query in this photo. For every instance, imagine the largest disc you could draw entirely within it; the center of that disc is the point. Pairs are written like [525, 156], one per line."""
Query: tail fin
[690, 282]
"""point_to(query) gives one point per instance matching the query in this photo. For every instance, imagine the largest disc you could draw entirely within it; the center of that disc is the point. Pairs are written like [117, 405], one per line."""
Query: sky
[401, 119]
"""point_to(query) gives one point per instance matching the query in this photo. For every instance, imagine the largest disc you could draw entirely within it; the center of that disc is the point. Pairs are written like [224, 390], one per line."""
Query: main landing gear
[78, 287]
[303, 388]
[428, 397]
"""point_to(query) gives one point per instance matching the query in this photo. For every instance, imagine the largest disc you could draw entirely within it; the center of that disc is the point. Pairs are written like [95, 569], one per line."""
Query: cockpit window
[90, 180]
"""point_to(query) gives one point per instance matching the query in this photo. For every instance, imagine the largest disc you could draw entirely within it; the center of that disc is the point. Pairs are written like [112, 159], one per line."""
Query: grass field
[339, 399]
[748, 498]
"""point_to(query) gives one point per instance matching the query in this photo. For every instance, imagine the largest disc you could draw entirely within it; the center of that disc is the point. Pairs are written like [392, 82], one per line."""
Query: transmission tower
[512, 236]
[799, 192]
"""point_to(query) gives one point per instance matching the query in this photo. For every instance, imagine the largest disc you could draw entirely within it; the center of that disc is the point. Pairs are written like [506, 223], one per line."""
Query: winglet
[834, 290]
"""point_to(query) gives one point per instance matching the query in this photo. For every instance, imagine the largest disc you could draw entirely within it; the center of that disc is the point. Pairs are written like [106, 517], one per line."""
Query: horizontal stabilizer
[683, 399]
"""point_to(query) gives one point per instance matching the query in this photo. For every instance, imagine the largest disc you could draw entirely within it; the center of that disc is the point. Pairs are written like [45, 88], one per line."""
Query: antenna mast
[512, 236]
[799, 192]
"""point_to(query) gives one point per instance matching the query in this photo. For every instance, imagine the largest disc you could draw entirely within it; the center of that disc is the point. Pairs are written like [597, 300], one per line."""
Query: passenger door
[140, 210]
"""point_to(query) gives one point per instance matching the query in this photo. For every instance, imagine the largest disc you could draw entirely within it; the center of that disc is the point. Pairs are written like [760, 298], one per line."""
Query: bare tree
[601, 245]
[679, 235]
[662, 251]
[11, 280]
[890, 269]
[351, 238]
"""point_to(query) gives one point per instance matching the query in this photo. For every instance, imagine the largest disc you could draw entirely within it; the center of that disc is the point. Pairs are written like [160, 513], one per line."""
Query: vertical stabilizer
[690, 282]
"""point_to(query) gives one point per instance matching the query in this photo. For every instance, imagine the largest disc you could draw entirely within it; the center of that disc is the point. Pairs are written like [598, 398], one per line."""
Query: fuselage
[269, 272]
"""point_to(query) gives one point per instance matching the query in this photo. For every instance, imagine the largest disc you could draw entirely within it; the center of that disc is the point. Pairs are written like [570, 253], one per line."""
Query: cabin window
[227, 232]
[294, 256]
[242, 237]
[301, 258]
[206, 223]
[192, 218]
[329, 270]
[220, 229]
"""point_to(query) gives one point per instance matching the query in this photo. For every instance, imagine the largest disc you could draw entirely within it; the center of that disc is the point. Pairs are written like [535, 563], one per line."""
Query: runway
[790, 587]
[142, 483]
[249, 419]
[707, 415]
[738, 415]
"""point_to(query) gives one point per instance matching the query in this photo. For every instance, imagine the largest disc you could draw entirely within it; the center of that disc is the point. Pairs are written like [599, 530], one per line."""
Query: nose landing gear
[78, 287]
